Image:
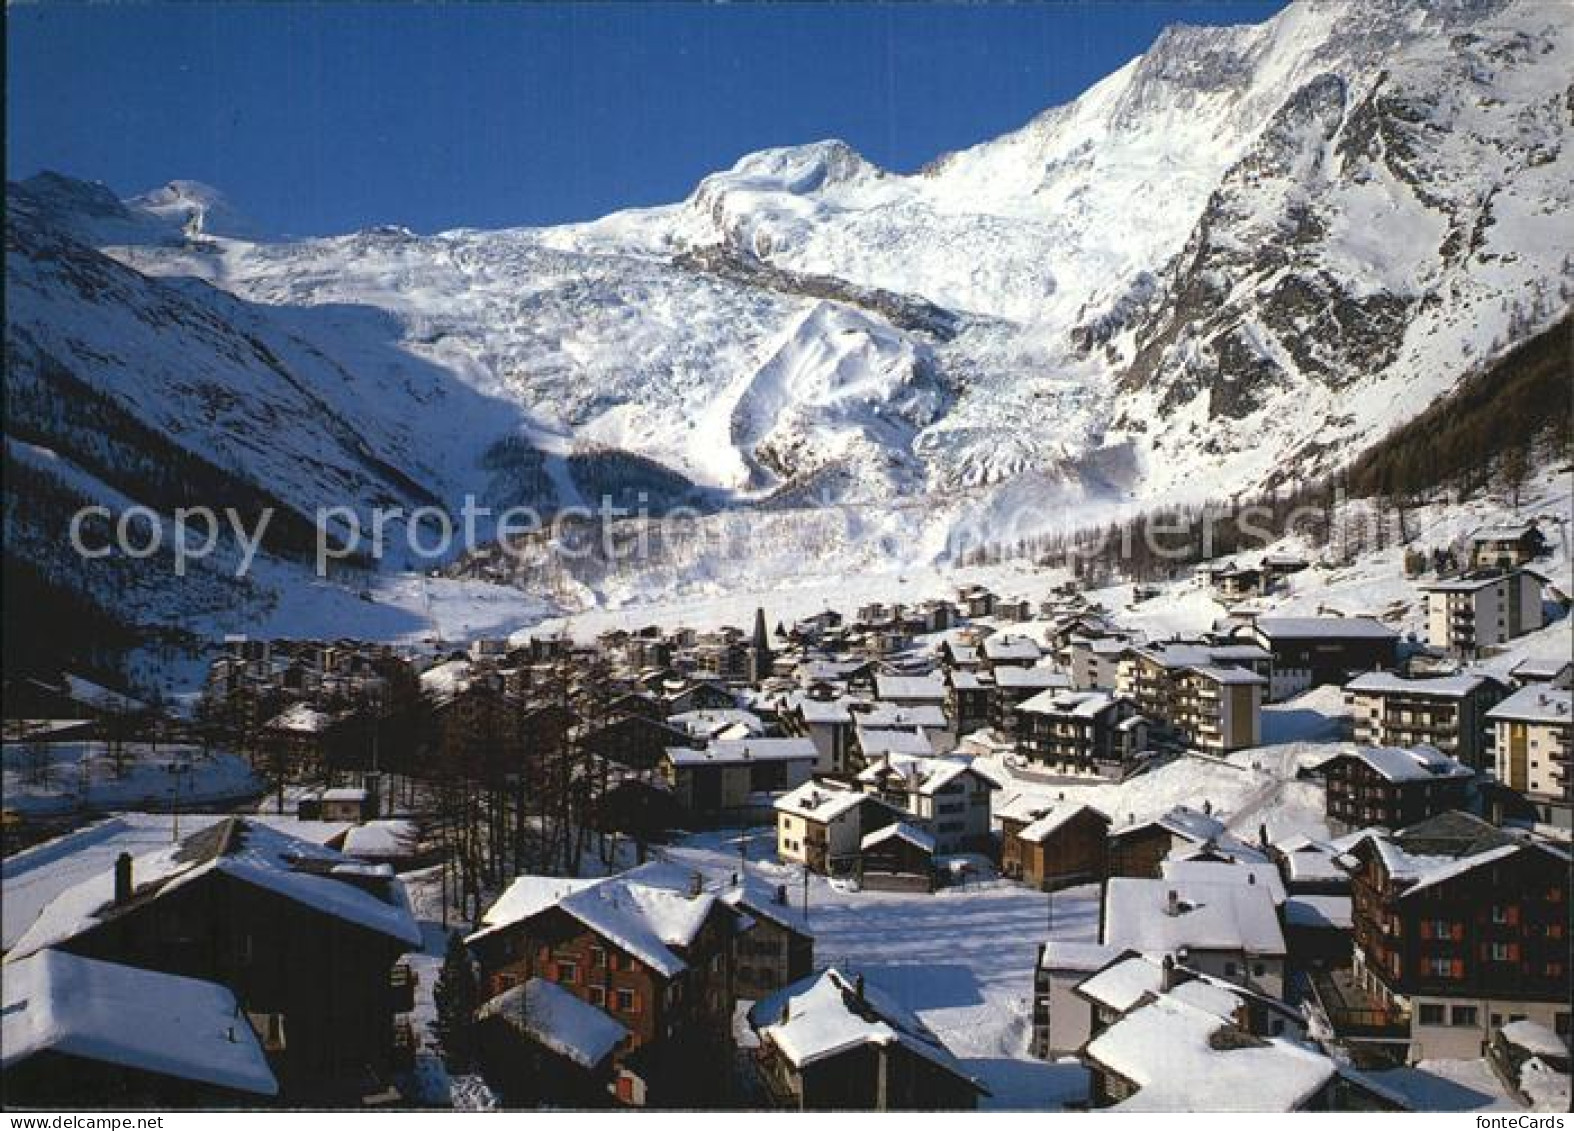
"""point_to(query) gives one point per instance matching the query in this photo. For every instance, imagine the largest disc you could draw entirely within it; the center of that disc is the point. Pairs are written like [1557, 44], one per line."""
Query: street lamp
[174, 770]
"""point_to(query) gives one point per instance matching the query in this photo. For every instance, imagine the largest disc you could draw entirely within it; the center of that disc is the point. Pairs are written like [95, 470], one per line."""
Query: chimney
[1172, 903]
[858, 987]
[1167, 974]
[1251, 877]
[123, 877]
[696, 885]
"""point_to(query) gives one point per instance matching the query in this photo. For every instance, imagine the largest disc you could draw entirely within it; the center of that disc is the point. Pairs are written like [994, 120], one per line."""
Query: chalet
[1279, 566]
[833, 1043]
[77, 1030]
[1533, 749]
[1314, 651]
[1228, 930]
[778, 949]
[718, 724]
[311, 741]
[1392, 786]
[636, 741]
[1139, 849]
[970, 700]
[822, 825]
[701, 695]
[1504, 547]
[340, 803]
[1482, 610]
[911, 690]
[737, 779]
[1053, 846]
[304, 937]
[1234, 583]
[1017, 609]
[898, 857]
[945, 796]
[976, 602]
[1445, 712]
[1459, 928]
[1016, 685]
[1004, 649]
[1309, 866]
[545, 1046]
[650, 948]
[1198, 1023]
[1091, 732]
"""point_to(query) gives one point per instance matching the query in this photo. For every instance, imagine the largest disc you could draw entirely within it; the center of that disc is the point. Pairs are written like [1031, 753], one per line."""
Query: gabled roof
[645, 911]
[247, 851]
[1183, 1056]
[817, 802]
[549, 1014]
[1537, 704]
[1446, 686]
[901, 830]
[123, 1015]
[828, 1013]
[1318, 628]
[1057, 817]
[1404, 764]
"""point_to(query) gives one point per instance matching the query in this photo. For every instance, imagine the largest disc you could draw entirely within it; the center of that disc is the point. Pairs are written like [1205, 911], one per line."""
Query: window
[1432, 1014]
[598, 957]
[627, 1001]
[1229, 969]
[598, 995]
[1258, 969]
[1464, 1015]
[1502, 952]
[568, 972]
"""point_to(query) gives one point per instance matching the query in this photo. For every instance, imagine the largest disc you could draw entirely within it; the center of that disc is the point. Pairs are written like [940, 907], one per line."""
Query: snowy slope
[1233, 261]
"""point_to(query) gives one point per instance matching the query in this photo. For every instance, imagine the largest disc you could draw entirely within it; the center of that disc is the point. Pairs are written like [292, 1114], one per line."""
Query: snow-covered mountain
[1234, 261]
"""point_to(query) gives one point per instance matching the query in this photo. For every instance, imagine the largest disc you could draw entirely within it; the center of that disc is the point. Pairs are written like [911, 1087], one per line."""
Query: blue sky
[317, 119]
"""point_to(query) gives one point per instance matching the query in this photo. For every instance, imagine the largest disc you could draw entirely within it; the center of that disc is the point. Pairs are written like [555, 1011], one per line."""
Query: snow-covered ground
[961, 958]
[66, 777]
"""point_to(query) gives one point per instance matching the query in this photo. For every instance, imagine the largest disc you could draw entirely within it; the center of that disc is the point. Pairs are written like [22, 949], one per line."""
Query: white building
[1466, 614]
[1534, 739]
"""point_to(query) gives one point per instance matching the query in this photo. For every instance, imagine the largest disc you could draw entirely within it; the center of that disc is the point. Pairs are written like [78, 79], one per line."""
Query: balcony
[1354, 1012]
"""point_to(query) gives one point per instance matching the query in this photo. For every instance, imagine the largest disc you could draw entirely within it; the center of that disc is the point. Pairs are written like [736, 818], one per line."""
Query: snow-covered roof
[718, 722]
[445, 680]
[1504, 532]
[829, 1013]
[551, 1015]
[1406, 764]
[1388, 683]
[1086, 957]
[1470, 582]
[1183, 1057]
[1534, 1037]
[928, 775]
[1120, 985]
[823, 710]
[818, 802]
[1314, 628]
[95, 695]
[1045, 825]
[1076, 704]
[380, 839]
[1182, 821]
[646, 911]
[740, 751]
[900, 715]
[1006, 646]
[1014, 677]
[245, 850]
[1207, 916]
[1536, 705]
[1226, 675]
[876, 741]
[302, 718]
[901, 830]
[910, 688]
[1226, 872]
[130, 1017]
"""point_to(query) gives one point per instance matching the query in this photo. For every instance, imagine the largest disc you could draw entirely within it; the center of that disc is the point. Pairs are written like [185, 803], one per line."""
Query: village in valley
[1283, 830]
